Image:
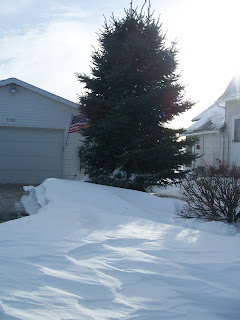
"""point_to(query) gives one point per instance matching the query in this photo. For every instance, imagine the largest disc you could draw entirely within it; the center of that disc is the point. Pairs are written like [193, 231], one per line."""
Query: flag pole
[68, 130]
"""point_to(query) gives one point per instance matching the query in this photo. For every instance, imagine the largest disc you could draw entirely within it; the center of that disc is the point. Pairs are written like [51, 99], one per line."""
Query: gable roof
[233, 90]
[39, 91]
[210, 120]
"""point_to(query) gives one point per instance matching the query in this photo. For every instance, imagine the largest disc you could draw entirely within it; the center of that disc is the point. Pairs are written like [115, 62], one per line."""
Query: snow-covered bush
[212, 194]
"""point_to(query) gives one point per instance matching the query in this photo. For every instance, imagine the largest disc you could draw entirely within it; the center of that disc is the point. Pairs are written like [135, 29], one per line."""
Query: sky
[45, 42]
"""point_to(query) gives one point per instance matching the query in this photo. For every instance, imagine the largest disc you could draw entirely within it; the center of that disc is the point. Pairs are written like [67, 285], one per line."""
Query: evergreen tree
[134, 90]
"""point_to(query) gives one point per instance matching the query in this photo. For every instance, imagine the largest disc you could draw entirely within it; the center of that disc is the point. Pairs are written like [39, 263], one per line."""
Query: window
[237, 130]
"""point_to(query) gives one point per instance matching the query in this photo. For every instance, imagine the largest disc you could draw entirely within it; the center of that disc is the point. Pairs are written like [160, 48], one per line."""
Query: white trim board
[39, 91]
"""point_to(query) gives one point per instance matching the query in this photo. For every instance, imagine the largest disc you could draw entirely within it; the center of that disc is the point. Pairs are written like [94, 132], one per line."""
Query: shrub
[212, 194]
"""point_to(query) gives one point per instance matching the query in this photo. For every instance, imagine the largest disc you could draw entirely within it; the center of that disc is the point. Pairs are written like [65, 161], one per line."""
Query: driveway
[10, 204]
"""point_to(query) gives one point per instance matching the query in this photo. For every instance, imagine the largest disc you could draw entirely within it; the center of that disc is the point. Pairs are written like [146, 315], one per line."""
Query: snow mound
[94, 252]
[35, 200]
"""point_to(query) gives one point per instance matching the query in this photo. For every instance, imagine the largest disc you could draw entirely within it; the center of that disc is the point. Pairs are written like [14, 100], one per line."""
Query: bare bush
[212, 194]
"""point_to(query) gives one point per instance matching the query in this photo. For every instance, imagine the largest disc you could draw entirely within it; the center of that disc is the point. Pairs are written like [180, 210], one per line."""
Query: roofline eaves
[200, 132]
[229, 99]
[39, 91]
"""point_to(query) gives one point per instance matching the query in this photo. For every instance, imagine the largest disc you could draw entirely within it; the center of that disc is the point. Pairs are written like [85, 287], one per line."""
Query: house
[34, 140]
[209, 128]
[218, 129]
[231, 98]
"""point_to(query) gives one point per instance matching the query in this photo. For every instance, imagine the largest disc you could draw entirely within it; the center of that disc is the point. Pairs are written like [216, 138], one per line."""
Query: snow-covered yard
[96, 252]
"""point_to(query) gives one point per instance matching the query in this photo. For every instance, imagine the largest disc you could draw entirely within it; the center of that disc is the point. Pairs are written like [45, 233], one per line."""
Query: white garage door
[30, 155]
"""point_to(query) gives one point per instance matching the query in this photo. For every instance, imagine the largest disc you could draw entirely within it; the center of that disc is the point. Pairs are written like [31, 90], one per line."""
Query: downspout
[222, 131]
[203, 150]
[222, 155]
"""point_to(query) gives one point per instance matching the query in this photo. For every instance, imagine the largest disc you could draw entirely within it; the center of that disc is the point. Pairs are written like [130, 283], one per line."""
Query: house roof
[209, 121]
[39, 91]
[233, 90]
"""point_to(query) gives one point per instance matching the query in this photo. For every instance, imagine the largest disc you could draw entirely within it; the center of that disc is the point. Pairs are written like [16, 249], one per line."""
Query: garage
[35, 141]
[30, 155]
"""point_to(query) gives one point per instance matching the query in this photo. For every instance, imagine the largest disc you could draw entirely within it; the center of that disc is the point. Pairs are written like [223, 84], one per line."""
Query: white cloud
[13, 7]
[69, 12]
[49, 58]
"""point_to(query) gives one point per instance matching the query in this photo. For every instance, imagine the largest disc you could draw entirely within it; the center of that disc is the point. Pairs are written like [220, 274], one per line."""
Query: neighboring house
[218, 129]
[34, 141]
[231, 98]
[208, 127]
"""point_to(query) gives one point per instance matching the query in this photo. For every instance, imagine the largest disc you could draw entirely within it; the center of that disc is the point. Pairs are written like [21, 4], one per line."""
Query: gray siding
[28, 109]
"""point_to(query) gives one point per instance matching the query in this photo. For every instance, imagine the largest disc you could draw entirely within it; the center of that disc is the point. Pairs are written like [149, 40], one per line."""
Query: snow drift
[97, 252]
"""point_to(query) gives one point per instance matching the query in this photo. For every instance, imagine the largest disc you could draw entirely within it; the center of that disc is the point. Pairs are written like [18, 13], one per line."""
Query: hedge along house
[218, 129]
[34, 140]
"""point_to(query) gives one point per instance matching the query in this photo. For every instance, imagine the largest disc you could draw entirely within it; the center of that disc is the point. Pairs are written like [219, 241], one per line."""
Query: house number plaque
[11, 120]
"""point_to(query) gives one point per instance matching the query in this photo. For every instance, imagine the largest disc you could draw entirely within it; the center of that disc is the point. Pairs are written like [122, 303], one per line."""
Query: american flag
[77, 122]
